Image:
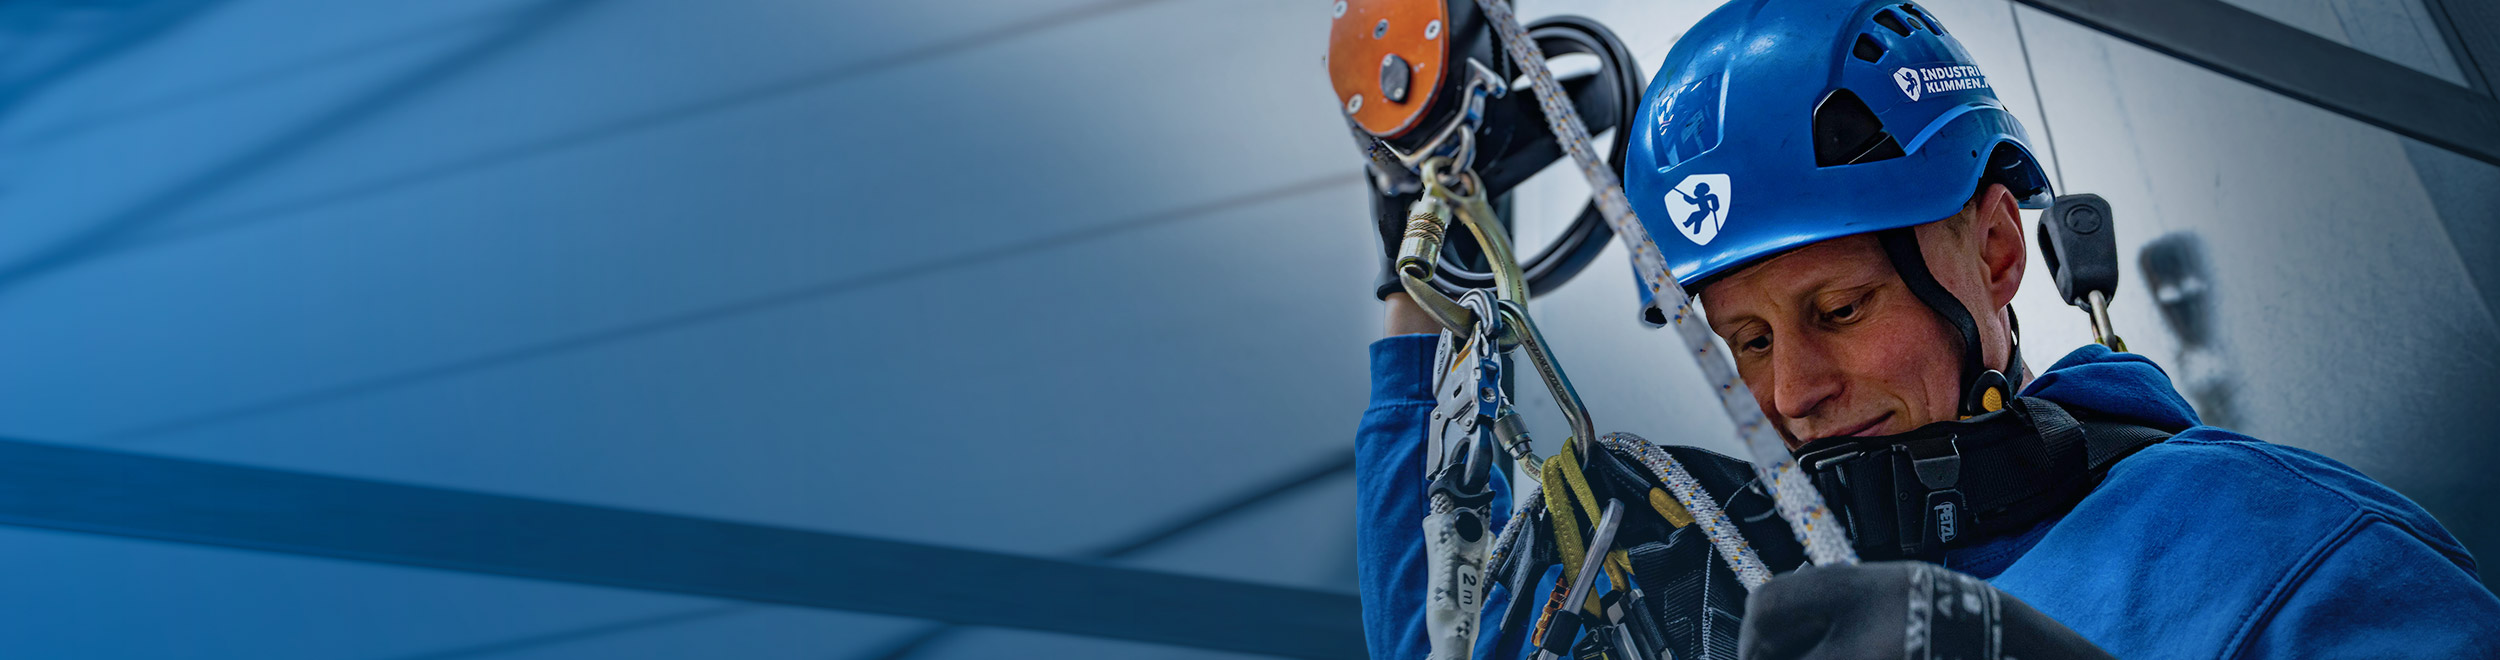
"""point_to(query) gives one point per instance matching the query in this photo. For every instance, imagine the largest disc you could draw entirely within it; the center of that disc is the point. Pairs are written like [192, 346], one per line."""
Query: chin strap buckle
[1988, 393]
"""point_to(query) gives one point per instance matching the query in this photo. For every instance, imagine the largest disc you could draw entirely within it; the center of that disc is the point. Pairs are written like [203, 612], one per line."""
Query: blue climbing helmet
[1774, 124]
[1810, 120]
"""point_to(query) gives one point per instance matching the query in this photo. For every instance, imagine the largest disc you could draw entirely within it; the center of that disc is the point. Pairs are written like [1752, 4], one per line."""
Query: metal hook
[1583, 432]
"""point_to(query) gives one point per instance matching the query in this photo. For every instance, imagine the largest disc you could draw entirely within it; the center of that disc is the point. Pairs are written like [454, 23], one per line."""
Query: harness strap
[1562, 474]
[2111, 441]
[1567, 543]
[2003, 472]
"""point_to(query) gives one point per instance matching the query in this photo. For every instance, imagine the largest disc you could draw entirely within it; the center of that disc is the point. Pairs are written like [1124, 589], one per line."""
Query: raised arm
[1389, 484]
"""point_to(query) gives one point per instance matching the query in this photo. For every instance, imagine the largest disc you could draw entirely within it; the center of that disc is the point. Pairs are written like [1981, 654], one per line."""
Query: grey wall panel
[1016, 643]
[609, 62]
[691, 284]
[101, 597]
[2467, 194]
[98, 196]
[820, 413]
[2400, 31]
[767, 633]
[625, 233]
[724, 631]
[150, 73]
[2349, 322]
[1305, 539]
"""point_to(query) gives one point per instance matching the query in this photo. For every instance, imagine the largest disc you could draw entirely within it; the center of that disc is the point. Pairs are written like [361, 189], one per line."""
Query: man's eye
[1757, 344]
[1842, 314]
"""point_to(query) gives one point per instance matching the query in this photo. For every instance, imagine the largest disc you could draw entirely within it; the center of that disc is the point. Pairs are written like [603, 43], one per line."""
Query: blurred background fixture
[808, 329]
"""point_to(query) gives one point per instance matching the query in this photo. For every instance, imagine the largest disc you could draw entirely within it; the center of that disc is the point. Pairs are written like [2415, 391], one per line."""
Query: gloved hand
[1389, 218]
[1898, 610]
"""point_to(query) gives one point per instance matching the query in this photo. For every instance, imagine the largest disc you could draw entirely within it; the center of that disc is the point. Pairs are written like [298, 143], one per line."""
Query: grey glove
[1389, 217]
[1909, 610]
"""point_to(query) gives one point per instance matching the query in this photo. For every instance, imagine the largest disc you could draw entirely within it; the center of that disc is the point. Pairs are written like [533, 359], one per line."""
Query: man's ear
[2002, 249]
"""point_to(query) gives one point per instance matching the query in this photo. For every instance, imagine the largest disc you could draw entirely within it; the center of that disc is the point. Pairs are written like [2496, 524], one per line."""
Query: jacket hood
[2123, 385]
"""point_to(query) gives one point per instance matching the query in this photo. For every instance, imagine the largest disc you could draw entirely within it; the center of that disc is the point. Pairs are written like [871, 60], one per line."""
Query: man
[1865, 252]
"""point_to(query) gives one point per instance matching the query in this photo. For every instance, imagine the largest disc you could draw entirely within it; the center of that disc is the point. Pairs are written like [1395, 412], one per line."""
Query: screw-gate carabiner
[1428, 224]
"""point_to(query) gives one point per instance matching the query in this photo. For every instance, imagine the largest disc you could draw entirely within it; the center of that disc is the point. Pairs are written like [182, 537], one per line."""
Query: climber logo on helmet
[1907, 78]
[1699, 206]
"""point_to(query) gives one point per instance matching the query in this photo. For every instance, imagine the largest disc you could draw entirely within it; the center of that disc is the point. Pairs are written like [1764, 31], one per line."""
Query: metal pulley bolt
[1395, 75]
[2080, 247]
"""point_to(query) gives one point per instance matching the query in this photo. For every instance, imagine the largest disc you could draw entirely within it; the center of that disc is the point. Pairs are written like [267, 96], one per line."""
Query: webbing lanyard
[1565, 485]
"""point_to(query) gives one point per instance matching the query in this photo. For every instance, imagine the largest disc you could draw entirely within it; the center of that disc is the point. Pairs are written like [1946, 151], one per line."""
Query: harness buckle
[1944, 507]
[1895, 502]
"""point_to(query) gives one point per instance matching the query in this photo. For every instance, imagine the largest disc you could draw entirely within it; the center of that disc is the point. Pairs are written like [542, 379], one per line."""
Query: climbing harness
[1916, 494]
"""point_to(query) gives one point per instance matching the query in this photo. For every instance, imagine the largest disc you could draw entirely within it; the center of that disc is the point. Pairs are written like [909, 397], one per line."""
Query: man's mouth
[1862, 429]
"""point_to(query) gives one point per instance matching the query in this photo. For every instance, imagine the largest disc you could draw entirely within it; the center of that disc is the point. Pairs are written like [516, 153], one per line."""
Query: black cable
[1514, 152]
[2047, 133]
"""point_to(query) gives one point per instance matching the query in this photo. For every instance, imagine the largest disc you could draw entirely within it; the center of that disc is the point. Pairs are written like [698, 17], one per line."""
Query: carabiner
[1583, 432]
[1428, 225]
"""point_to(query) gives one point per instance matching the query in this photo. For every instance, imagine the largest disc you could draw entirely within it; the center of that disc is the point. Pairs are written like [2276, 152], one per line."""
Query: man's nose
[1804, 377]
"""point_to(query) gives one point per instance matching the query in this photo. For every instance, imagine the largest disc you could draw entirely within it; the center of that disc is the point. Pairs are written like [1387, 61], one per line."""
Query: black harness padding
[1911, 496]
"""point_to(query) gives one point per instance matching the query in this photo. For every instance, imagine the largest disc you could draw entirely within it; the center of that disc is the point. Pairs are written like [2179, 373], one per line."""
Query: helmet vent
[1846, 132]
[1923, 17]
[1912, 17]
[1891, 20]
[1868, 49]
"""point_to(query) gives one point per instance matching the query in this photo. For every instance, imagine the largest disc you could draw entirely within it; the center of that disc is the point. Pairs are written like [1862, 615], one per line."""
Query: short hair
[1960, 222]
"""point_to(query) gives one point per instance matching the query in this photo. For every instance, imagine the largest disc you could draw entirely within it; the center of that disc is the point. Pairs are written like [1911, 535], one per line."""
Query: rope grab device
[1420, 80]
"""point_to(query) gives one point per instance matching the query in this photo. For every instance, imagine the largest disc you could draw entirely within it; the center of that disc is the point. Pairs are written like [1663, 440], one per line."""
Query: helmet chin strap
[1984, 390]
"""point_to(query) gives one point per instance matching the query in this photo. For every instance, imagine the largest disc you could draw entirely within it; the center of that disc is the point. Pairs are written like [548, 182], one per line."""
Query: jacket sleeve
[1389, 497]
[2379, 591]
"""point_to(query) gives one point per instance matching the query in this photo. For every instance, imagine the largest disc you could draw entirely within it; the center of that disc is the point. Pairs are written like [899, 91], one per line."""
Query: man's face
[1833, 344]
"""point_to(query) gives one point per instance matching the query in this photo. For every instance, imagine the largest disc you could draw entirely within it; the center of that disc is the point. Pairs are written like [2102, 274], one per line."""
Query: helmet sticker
[1938, 78]
[1907, 79]
[1698, 206]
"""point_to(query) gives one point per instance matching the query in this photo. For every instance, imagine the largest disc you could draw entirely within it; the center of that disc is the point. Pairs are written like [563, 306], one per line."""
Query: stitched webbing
[1558, 502]
[1562, 474]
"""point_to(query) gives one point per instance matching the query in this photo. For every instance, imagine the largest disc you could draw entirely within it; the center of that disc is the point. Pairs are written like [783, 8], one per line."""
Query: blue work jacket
[2210, 545]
